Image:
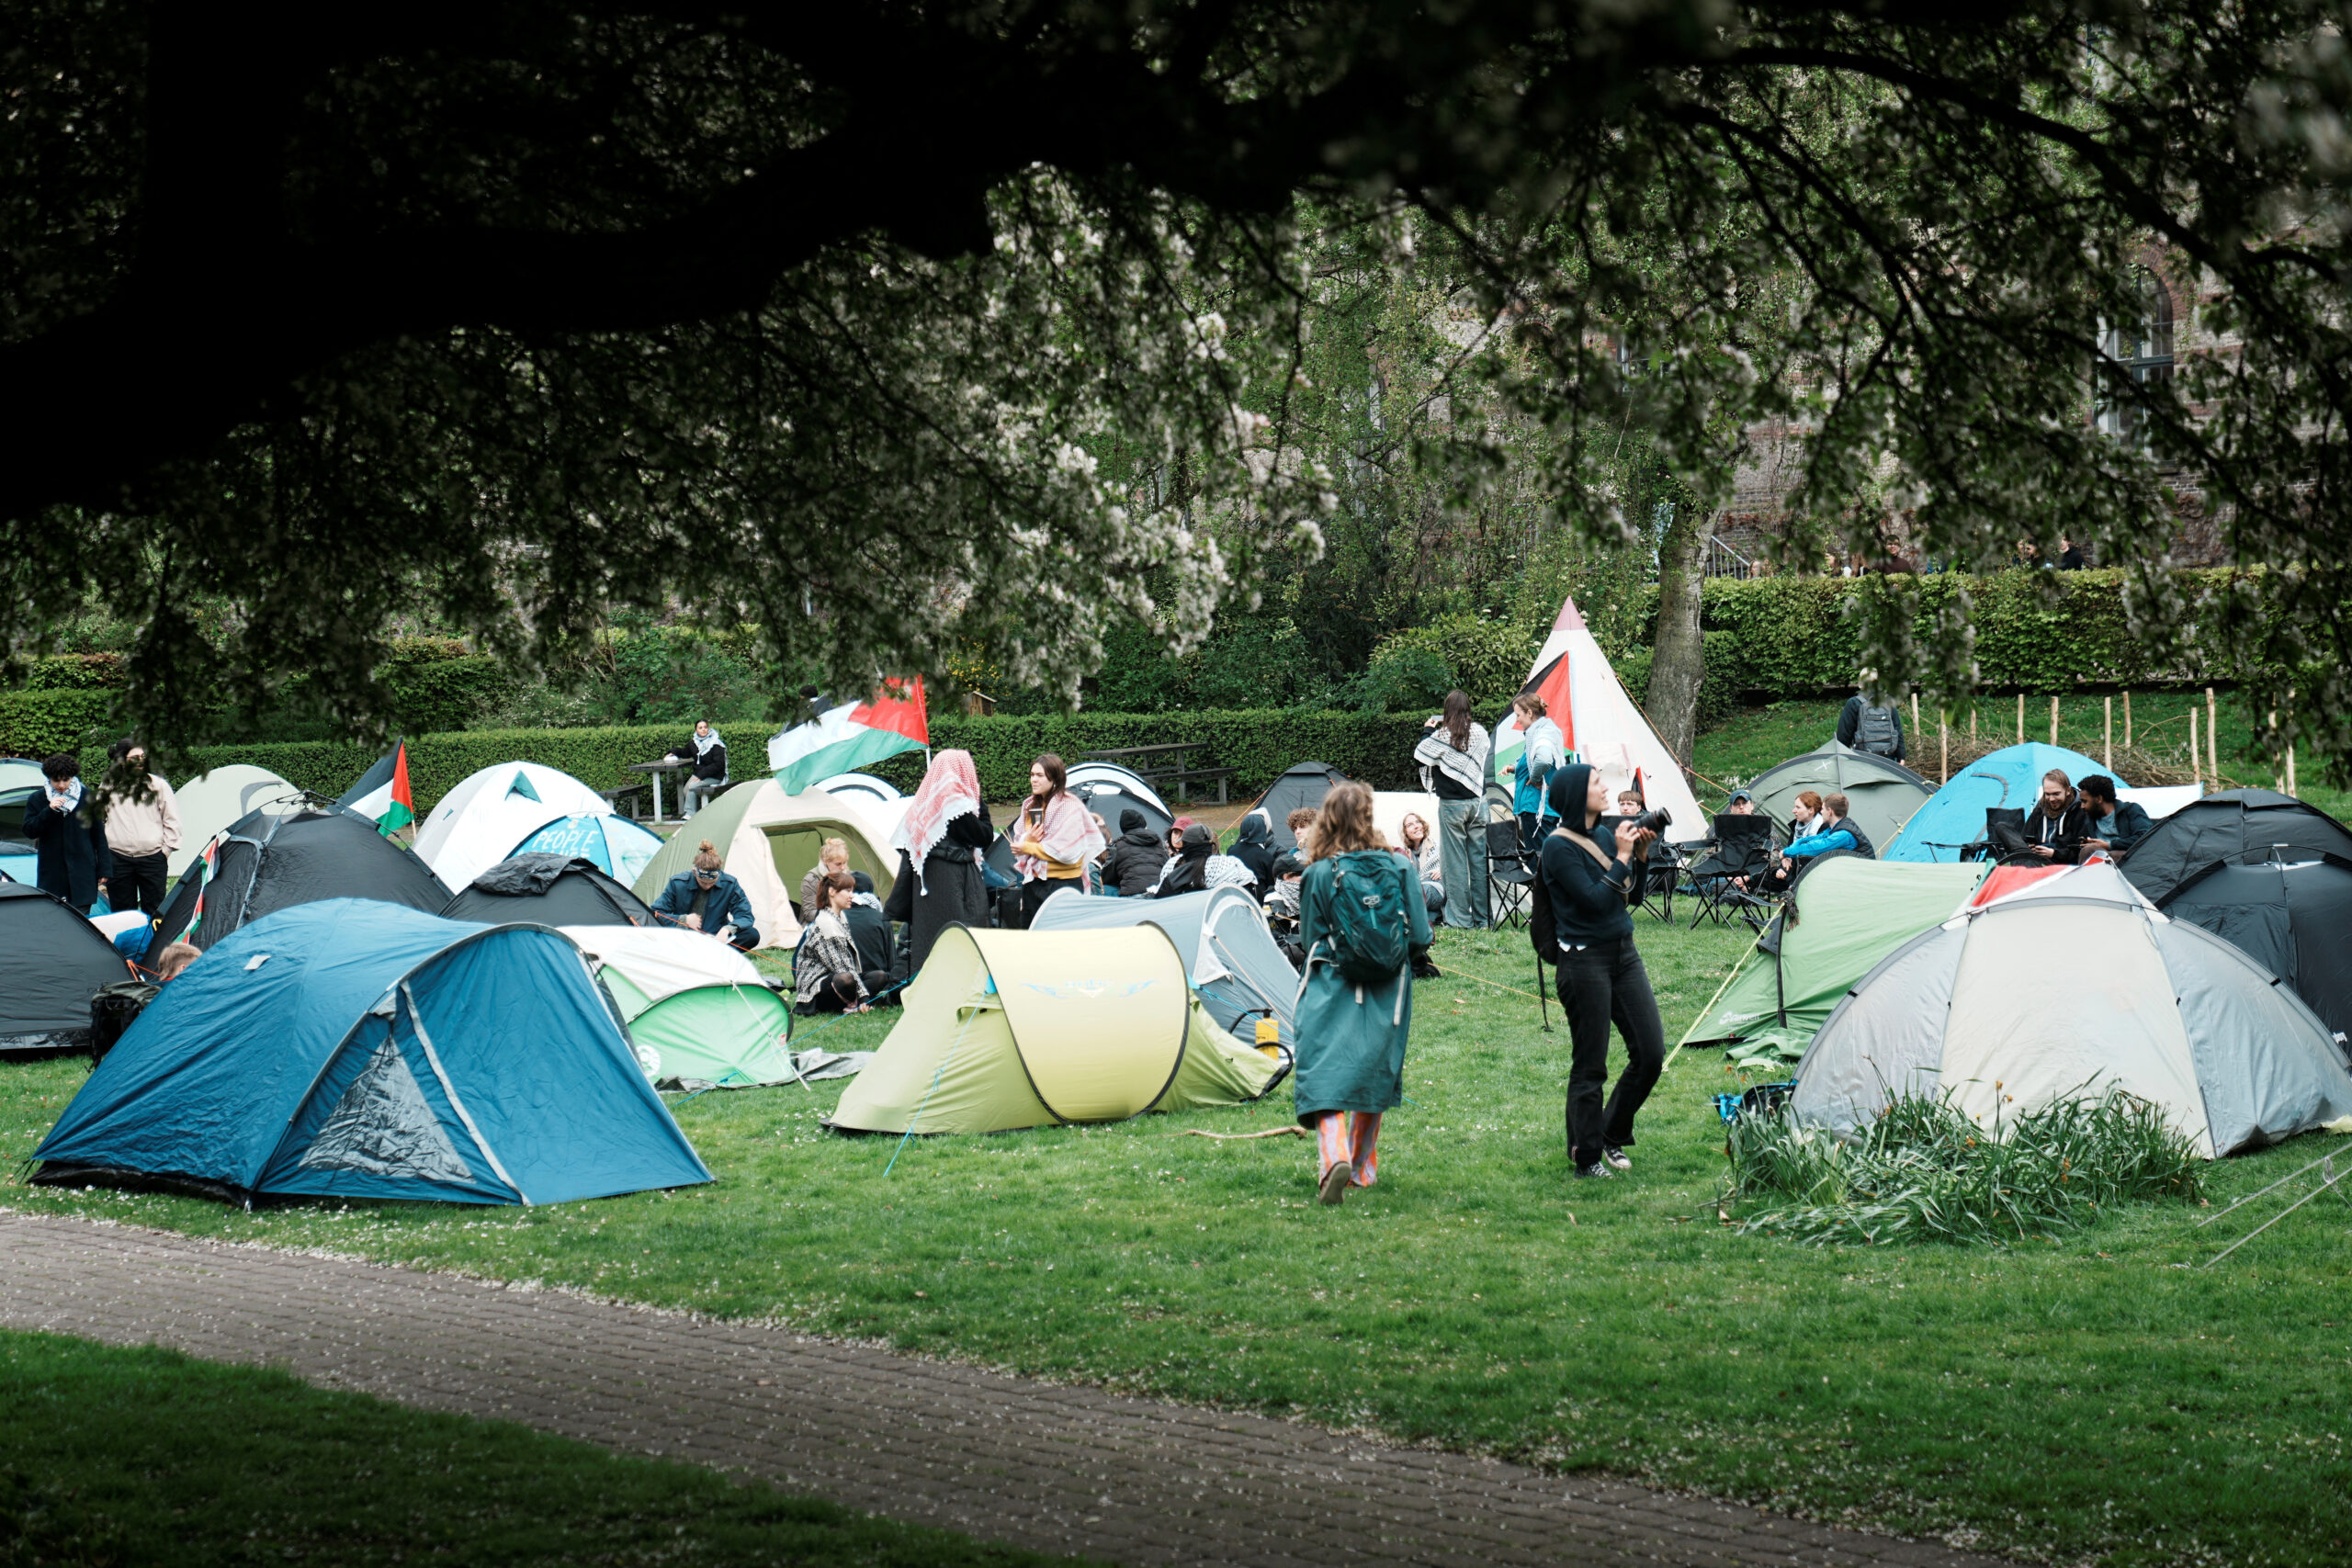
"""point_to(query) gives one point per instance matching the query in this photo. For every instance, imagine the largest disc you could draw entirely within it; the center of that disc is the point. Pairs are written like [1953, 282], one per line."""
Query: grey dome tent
[2237, 824]
[2069, 988]
[273, 859]
[52, 963]
[1236, 969]
[547, 890]
[1302, 784]
[2294, 919]
[1883, 792]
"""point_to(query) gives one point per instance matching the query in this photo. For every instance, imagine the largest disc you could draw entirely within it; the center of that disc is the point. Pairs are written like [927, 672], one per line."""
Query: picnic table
[1164, 765]
[656, 770]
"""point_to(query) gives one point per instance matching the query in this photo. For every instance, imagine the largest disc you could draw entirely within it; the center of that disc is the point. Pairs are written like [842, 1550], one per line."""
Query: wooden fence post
[2196, 759]
[2053, 720]
[2127, 719]
[2110, 742]
[2213, 738]
[2020, 718]
[1943, 746]
[1915, 711]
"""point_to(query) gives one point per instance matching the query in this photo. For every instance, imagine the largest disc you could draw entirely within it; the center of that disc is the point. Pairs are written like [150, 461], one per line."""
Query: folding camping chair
[1741, 847]
[1660, 874]
[1511, 873]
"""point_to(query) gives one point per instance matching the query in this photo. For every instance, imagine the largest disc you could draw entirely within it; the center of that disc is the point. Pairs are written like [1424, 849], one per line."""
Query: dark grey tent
[52, 963]
[1302, 784]
[2295, 920]
[2236, 825]
[547, 890]
[273, 858]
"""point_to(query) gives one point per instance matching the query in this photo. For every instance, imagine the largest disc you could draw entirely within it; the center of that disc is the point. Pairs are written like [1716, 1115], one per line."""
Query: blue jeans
[1464, 856]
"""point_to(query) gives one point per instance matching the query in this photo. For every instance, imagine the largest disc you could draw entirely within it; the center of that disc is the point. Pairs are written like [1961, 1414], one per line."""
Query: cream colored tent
[770, 840]
[210, 803]
[1389, 809]
[1005, 1030]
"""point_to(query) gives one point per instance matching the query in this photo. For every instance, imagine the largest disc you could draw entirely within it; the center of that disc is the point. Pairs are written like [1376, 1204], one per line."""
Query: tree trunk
[1677, 662]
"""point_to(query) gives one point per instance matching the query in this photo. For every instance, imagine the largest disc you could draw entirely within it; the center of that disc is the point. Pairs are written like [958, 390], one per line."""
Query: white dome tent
[2068, 989]
[493, 811]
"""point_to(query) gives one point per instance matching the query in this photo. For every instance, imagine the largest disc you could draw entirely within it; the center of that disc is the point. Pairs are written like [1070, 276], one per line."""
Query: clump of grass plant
[1925, 1172]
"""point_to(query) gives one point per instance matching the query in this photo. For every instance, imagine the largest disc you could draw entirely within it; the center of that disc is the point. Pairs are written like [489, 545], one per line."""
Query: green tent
[1882, 793]
[697, 1010]
[1845, 914]
[1006, 1028]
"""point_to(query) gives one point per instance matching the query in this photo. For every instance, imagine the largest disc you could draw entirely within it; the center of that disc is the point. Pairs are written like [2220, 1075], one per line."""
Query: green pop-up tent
[1845, 914]
[697, 1010]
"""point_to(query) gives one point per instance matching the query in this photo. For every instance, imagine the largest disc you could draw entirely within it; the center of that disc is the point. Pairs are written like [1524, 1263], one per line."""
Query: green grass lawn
[119, 1456]
[2101, 1397]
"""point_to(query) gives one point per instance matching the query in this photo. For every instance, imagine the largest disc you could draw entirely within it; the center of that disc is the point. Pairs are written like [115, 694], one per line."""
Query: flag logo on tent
[846, 739]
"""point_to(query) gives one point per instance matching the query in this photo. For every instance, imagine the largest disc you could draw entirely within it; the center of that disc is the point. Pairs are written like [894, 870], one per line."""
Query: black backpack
[114, 1009]
[1879, 731]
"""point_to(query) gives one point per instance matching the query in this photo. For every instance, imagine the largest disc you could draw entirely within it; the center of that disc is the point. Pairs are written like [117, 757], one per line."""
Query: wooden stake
[2020, 718]
[1972, 728]
[2278, 778]
[2110, 742]
[2053, 721]
[2291, 769]
[2195, 770]
[2213, 738]
[1943, 746]
[2126, 721]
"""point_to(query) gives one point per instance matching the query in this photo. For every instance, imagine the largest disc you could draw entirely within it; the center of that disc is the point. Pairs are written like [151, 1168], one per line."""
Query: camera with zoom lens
[1657, 821]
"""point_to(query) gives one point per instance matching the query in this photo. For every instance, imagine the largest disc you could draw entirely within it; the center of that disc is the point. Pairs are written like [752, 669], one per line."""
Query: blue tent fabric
[618, 847]
[357, 1049]
[1953, 816]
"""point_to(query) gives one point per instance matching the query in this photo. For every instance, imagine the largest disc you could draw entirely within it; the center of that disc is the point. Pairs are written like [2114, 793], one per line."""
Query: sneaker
[1335, 1181]
[1614, 1157]
[1596, 1171]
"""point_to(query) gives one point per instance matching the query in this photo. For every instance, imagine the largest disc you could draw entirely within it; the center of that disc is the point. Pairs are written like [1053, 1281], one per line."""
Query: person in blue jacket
[706, 900]
[69, 832]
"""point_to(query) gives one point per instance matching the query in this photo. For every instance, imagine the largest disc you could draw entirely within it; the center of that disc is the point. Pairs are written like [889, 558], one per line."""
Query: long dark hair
[1056, 774]
[1457, 718]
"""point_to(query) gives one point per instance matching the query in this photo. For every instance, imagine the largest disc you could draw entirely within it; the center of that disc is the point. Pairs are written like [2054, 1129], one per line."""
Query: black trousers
[1034, 894]
[138, 883]
[839, 994]
[1601, 985]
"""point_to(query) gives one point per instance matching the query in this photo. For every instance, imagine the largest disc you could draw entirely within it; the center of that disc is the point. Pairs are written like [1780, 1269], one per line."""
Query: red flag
[897, 708]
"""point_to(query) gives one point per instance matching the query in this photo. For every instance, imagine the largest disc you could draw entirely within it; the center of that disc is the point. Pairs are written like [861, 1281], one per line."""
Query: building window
[2139, 352]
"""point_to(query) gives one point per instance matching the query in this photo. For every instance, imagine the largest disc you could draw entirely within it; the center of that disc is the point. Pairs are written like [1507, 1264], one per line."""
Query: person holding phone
[1054, 838]
[1601, 980]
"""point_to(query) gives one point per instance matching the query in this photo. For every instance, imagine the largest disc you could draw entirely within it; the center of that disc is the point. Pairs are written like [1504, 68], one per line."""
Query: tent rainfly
[500, 810]
[1239, 972]
[272, 860]
[1004, 1030]
[1842, 918]
[1302, 785]
[698, 1012]
[1884, 794]
[769, 840]
[1953, 817]
[210, 804]
[1583, 696]
[52, 963]
[353, 1049]
[546, 890]
[2295, 920]
[1976, 1009]
[612, 843]
[2235, 825]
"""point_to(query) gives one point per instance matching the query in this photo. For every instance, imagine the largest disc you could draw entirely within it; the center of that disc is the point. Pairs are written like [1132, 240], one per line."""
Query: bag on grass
[115, 1008]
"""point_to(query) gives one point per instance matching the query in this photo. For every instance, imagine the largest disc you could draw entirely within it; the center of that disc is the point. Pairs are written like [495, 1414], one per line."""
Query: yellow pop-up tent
[1008, 1029]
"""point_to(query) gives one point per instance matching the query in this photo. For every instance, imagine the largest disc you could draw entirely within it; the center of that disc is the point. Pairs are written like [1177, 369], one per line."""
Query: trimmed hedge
[39, 724]
[1256, 744]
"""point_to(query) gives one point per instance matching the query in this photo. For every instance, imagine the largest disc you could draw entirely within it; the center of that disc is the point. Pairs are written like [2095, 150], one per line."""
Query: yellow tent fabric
[1004, 1030]
[769, 840]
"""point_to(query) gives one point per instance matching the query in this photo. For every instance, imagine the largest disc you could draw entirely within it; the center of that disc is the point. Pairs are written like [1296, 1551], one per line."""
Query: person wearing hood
[1137, 857]
[1592, 887]
[1254, 848]
[1198, 867]
[869, 928]
[941, 842]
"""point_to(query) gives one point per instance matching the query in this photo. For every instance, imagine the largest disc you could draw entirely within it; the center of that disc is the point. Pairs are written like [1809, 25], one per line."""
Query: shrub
[34, 724]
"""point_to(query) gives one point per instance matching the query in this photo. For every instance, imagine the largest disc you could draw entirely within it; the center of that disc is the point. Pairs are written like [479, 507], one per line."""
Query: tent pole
[1705, 1010]
[2110, 732]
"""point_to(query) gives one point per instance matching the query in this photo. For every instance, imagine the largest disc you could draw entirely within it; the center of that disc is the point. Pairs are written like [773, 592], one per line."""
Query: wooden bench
[632, 801]
[1183, 779]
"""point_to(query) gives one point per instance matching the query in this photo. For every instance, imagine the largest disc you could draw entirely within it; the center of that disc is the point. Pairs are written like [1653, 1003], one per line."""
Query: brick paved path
[1070, 1470]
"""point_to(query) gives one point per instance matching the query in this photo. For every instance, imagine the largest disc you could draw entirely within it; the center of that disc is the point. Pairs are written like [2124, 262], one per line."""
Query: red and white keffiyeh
[1067, 834]
[950, 789]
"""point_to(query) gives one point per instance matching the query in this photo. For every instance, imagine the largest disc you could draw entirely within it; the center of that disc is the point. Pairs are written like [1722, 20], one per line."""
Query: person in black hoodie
[869, 928]
[2055, 828]
[1600, 975]
[1254, 847]
[1137, 857]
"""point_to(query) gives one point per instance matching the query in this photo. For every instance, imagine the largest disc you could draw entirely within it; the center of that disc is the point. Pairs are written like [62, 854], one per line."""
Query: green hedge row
[1256, 744]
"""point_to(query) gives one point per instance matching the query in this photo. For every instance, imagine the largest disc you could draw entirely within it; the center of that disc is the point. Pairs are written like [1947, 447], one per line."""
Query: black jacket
[2064, 833]
[870, 928]
[1255, 848]
[1136, 859]
[73, 856]
[1588, 902]
[1862, 845]
[711, 764]
[2131, 825]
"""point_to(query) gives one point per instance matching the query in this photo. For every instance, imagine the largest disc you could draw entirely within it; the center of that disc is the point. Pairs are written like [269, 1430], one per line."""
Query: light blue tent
[621, 849]
[1954, 816]
[1236, 969]
[352, 1048]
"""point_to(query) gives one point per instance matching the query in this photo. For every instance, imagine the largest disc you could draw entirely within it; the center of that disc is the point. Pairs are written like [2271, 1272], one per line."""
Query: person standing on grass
[1600, 974]
[1054, 838]
[1359, 910]
[1543, 748]
[942, 841]
[68, 830]
[1453, 758]
[142, 829]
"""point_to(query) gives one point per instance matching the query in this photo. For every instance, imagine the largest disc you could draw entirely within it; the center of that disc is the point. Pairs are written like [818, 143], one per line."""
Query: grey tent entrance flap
[382, 1127]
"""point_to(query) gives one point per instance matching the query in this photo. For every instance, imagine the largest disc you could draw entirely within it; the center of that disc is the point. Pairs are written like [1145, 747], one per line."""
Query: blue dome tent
[350, 1048]
[1953, 816]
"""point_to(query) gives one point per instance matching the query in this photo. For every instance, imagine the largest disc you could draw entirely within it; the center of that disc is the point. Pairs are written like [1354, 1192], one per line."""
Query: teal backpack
[1370, 940]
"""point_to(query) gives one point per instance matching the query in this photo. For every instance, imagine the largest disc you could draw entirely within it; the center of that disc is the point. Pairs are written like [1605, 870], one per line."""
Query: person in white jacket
[1453, 757]
[142, 829]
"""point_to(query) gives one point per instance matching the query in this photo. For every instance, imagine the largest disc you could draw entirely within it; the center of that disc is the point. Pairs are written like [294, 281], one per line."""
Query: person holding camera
[1591, 889]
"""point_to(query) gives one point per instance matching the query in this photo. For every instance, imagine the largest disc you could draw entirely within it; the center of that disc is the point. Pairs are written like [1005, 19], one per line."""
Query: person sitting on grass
[1832, 831]
[1301, 824]
[706, 900]
[832, 859]
[1806, 820]
[175, 959]
[1282, 903]
[869, 927]
[1253, 846]
[831, 973]
[1421, 848]
[2056, 826]
[2118, 824]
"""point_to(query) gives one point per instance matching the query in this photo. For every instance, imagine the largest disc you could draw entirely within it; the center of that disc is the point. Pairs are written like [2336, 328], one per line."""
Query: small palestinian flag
[847, 739]
[401, 810]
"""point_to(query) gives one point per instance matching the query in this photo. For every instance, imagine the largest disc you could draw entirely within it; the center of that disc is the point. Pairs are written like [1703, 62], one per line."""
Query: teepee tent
[353, 1049]
[1882, 793]
[1583, 696]
[2067, 989]
[698, 1011]
[1240, 973]
[493, 812]
[1004, 1030]
[210, 803]
[769, 840]
[1839, 920]
[275, 859]
[1953, 817]
[52, 963]
[546, 890]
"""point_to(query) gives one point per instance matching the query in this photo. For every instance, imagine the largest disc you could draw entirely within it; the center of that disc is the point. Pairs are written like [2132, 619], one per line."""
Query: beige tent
[769, 842]
[1005, 1030]
[209, 802]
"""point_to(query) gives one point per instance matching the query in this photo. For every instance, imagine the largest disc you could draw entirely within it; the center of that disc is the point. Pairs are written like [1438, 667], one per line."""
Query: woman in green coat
[1350, 1062]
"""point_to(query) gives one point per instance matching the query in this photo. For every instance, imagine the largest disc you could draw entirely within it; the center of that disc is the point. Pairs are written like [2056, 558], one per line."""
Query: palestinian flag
[846, 739]
[400, 810]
